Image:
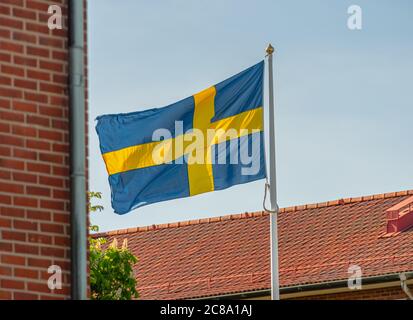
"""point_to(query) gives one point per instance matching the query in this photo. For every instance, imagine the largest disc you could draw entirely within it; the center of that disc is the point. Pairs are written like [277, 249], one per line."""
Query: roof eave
[339, 284]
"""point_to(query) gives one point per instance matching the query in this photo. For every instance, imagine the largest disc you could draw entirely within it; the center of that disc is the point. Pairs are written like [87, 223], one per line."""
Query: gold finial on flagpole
[270, 49]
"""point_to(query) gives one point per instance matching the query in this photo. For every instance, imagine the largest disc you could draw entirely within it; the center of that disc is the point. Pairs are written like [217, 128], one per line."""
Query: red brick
[25, 202]
[36, 27]
[5, 295]
[52, 228]
[10, 46]
[52, 204]
[12, 164]
[15, 71]
[51, 111]
[5, 81]
[5, 103]
[25, 154]
[51, 158]
[10, 140]
[37, 97]
[6, 247]
[5, 199]
[39, 215]
[40, 238]
[38, 167]
[24, 37]
[10, 93]
[11, 212]
[5, 34]
[4, 127]
[6, 271]
[5, 175]
[24, 177]
[64, 264]
[51, 297]
[51, 135]
[38, 144]
[60, 124]
[37, 5]
[5, 57]
[36, 120]
[51, 88]
[27, 14]
[11, 116]
[39, 52]
[62, 32]
[13, 260]
[25, 296]
[61, 171]
[60, 147]
[62, 241]
[38, 191]
[52, 252]
[25, 61]
[13, 2]
[5, 223]
[61, 79]
[58, 101]
[4, 10]
[11, 284]
[13, 235]
[24, 106]
[26, 249]
[24, 131]
[38, 287]
[38, 75]
[57, 67]
[26, 273]
[51, 42]
[60, 55]
[61, 194]
[61, 218]
[51, 181]
[25, 84]
[11, 23]
[39, 262]
[25, 225]
[11, 188]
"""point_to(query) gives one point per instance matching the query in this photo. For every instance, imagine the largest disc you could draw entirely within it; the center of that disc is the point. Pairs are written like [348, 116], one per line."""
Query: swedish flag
[152, 155]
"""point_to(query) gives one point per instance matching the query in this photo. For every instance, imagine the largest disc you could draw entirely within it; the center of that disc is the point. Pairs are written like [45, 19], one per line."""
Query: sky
[344, 98]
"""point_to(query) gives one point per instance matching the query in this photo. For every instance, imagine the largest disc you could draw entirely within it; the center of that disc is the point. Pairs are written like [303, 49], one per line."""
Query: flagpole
[275, 286]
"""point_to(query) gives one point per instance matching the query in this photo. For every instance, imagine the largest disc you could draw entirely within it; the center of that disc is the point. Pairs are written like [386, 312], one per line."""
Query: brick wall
[34, 150]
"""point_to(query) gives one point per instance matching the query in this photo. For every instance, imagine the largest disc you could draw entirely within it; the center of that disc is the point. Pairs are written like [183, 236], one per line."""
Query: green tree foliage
[111, 268]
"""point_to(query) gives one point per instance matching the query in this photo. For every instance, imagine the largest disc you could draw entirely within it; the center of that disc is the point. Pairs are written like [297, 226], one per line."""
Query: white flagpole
[275, 286]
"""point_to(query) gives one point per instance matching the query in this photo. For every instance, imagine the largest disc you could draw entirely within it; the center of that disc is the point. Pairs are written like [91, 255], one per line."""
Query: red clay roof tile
[230, 254]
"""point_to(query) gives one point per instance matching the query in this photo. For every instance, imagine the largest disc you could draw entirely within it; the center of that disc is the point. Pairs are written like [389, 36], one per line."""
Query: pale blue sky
[344, 99]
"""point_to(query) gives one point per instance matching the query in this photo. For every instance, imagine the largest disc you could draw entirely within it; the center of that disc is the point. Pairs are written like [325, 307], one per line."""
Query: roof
[231, 254]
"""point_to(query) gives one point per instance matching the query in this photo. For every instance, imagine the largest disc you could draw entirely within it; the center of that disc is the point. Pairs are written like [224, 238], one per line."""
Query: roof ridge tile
[342, 201]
